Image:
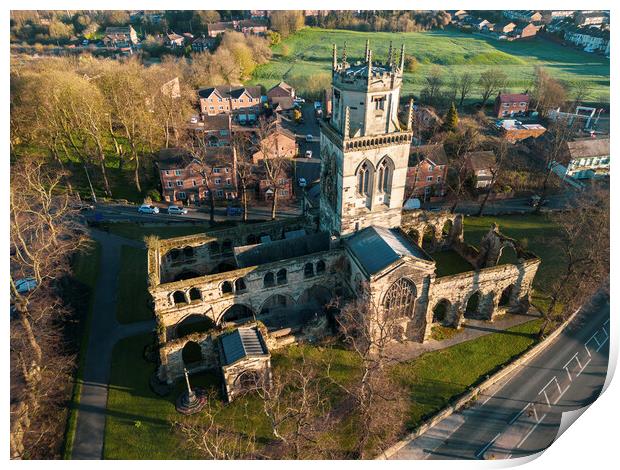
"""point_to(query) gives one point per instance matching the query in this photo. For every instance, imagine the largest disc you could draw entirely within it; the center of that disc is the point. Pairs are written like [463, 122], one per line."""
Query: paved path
[470, 330]
[105, 331]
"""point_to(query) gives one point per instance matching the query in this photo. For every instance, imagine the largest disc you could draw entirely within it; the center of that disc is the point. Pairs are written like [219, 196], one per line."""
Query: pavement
[521, 414]
[105, 332]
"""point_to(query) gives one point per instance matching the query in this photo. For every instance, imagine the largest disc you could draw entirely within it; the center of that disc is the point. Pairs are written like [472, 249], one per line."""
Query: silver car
[176, 210]
[148, 209]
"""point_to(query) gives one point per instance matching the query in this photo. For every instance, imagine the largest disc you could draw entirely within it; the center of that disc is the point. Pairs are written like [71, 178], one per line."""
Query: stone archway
[472, 306]
[428, 238]
[236, 313]
[505, 298]
[191, 354]
[277, 311]
[193, 324]
[415, 236]
[442, 311]
[446, 231]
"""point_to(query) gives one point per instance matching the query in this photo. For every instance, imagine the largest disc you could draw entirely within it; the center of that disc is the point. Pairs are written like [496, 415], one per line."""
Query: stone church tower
[364, 147]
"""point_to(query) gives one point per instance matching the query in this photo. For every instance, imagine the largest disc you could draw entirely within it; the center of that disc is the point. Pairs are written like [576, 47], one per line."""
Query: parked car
[176, 210]
[194, 120]
[302, 182]
[299, 100]
[309, 138]
[232, 211]
[25, 285]
[148, 209]
[308, 153]
[535, 201]
[317, 105]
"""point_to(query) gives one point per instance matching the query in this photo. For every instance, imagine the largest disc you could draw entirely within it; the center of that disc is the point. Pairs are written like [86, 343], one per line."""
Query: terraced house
[284, 273]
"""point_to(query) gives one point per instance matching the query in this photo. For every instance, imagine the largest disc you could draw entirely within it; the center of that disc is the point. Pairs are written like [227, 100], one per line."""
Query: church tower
[364, 147]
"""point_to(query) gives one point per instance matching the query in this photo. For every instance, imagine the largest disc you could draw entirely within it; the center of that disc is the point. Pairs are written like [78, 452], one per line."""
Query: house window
[384, 177]
[429, 179]
[194, 183]
[177, 172]
[170, 184]
[226, 170]
[228, 181]
[282, 181]
[167, 172]
[182, 195]
[179, 183]
[211, 107]
[439, 179]
[217, 170]
[431, 167]
[220, 193]
[283, 192]
[218, 180]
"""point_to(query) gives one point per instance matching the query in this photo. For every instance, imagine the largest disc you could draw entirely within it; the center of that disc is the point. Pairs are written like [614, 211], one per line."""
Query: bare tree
[378, 403]
[548, 92]
[214, 436]
[459, 144]
[490, 82]
[434, 82]
[244, 167]
[275, 166]
[44, 232]
[501, 152]
[583, 235]
[465, 84]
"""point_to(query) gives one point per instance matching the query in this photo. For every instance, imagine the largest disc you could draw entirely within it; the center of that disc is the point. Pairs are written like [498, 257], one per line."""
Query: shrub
[153, 195]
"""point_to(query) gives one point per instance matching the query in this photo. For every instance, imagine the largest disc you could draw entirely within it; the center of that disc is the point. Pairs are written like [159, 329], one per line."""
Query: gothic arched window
[384, 183]
[400, 298]
[363, 179]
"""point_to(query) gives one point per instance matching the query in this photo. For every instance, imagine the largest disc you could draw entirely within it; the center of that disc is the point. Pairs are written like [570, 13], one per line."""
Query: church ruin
[283, 273]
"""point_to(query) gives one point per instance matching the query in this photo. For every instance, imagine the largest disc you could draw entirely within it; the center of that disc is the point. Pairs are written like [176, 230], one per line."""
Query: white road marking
[530, 431]
[516, 417]
[485, 448]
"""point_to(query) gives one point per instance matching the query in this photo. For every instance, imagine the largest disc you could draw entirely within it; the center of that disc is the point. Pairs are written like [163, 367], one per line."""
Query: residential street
[521, 415]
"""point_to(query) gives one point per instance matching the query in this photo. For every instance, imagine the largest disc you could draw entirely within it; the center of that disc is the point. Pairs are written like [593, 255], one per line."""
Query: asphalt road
[555, 202]
[521, 415]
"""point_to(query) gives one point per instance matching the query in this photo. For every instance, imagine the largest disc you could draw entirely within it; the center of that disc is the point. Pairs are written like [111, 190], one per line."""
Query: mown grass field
[138, 421]
[133, 296]
[308, 53]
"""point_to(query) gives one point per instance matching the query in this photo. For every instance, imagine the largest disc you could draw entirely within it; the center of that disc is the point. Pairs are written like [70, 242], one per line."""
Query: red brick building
[509, 104]
[243, 102]
[186, 180]
[427, 172]
[282, 96]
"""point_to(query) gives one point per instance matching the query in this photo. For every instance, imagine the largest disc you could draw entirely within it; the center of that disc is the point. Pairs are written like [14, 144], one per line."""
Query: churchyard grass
[133, 297]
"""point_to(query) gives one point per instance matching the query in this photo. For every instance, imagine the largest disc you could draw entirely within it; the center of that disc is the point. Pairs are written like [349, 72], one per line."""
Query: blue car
[232, 211]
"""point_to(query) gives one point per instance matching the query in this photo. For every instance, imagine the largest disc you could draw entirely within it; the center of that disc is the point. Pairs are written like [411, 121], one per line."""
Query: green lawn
[133, 297]
[535, 232]
[85, 273]
[450, 262]
[435, 378]
[138, 421]
[310, 53]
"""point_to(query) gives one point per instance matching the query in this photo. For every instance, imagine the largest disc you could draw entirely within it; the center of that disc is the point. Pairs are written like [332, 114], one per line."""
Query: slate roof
[242, 343]
[588, 148]
[225, 91]
[435, 153]
[482, 160]
[282, 89]
[173, 158]
[254, 255]
[376, 248]
[513, 97]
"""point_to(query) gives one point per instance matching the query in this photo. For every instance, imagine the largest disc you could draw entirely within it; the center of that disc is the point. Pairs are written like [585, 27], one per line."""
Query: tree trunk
[106, 184]
[274, 203]
[244, 202]
[136, 174]
[32, 340]
[211, 207]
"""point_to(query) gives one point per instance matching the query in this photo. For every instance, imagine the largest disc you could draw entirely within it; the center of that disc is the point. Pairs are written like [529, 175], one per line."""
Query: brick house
[481, 166]
[281, 96]
[257, 27]
[527, 30]
[523, 15]
[203, 43]
[265, 190]
[282, 140]
[217, 130]
[504, 27]
[427, 171]
[215, 29]
[174, 40]
[244, 102]
[589, 158]
[509, 104]
[186, 180]
[120, 36]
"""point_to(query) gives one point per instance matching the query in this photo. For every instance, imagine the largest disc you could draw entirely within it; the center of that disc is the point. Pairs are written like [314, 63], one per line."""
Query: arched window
[363, 179]
[173, 254]
[384, 180]
[227, 287]
[309, 270]
[281, 277]
[188, 251]
[320, 267]
[269, 280]
[178, 297]
[240, 285]
[400, 299]
[194, 294]
[214, 247]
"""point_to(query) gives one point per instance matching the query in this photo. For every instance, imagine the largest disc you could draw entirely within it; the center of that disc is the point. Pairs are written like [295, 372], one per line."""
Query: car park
[176, 210]
[148, 209]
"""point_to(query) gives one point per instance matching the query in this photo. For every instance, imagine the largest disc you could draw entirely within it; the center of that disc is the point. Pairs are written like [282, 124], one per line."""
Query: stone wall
[415, 223]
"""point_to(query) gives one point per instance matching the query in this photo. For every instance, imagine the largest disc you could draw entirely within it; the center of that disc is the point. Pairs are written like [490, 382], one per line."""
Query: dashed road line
[486, 447]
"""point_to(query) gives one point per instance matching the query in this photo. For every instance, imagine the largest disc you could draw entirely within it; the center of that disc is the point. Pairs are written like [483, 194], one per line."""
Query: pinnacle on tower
[367, 50]
[347, 124]
[402, 57]
[334, 58]
[390, 58]
[344, 55]
[369, 59]
[410, 116]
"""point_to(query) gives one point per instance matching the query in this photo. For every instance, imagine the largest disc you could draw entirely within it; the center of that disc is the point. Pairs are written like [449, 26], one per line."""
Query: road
[521, 415]
[514, 205]
[129, 213]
